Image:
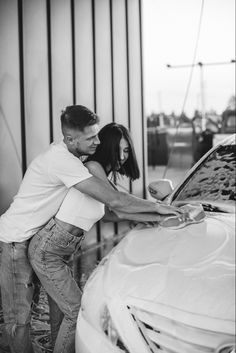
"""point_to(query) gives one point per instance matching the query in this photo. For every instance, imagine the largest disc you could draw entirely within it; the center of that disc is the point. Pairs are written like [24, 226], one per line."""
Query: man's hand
[167, 210]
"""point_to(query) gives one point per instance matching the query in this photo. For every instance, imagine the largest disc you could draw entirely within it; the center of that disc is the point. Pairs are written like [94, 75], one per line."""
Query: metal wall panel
[135, 91]
[121, 98]
[84, 53]
[36, 77]
[67, 51]
[103, 60]
[103, 79]
[120, 79]
[120, 70]
[10, 110]
[61, 61]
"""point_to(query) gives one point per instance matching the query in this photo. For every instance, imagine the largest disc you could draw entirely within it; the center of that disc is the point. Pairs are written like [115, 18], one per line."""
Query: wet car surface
[223, 174]
[216, 178]
[165, 290]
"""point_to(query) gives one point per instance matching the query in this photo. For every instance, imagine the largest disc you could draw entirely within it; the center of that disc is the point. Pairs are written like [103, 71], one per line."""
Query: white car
[164, 290]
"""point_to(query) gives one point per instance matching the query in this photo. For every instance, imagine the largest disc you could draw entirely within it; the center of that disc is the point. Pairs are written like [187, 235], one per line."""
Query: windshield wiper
[210, 208]
[207, 205]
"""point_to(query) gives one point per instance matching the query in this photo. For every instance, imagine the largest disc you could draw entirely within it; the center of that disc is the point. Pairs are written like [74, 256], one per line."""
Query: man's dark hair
[108, 152]
[77, 117]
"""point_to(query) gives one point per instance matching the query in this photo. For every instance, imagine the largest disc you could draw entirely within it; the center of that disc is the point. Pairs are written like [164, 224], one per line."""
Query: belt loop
[50, 224]
[79, 242]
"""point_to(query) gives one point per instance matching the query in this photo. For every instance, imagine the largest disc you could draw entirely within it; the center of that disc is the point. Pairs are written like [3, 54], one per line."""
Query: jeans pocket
[61, 240]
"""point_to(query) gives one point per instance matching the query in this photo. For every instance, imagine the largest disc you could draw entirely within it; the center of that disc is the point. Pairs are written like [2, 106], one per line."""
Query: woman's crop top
[80, 210]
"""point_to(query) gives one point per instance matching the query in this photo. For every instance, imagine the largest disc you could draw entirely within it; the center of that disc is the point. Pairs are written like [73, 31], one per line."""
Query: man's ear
[68, 139]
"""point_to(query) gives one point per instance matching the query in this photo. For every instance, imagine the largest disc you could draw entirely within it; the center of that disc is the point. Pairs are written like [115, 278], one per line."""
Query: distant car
[162, 290]
[228, 122]
[228, 126]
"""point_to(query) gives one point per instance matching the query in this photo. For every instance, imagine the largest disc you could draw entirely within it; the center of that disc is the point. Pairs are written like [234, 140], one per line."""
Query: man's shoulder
[56, 152]
[56, 149]
[58, 146]
[60, 159]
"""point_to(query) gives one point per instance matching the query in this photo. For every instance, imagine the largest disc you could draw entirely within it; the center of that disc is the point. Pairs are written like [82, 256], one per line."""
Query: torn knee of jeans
[11, 329]
[73, 313]
[29, 285]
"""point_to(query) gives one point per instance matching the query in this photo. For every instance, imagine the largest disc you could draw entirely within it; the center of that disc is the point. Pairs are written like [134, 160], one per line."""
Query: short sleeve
[67, 169]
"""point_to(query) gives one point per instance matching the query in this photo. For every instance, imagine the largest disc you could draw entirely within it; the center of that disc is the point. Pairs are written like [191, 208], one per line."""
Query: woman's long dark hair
[108, 152]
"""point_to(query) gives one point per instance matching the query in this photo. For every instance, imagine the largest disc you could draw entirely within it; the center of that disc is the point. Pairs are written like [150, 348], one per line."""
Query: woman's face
[124, 151]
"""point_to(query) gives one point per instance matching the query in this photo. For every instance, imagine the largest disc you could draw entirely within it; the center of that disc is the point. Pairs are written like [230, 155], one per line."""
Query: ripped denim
[17, 289]
[50, 251]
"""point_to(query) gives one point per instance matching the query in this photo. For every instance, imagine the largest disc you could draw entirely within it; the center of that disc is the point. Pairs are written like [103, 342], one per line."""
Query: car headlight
[110, 330]
[109, 327]
[227, 349]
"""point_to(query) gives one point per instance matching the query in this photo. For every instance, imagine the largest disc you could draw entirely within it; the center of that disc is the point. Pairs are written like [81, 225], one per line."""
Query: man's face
[83, 142]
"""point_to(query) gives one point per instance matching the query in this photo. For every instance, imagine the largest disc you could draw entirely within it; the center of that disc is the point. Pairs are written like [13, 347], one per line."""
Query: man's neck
[71, 150]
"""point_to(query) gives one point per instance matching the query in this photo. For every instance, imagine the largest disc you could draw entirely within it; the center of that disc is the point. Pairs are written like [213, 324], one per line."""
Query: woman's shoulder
[96, 169]
[93, 165]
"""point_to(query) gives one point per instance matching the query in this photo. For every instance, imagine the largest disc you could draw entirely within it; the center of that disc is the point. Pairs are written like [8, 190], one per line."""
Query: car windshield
[213, 182]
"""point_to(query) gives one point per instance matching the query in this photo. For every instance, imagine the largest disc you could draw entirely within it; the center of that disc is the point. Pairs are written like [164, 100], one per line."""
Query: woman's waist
[70, 228]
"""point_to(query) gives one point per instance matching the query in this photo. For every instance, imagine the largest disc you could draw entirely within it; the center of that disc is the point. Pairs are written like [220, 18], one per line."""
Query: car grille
[164, 335]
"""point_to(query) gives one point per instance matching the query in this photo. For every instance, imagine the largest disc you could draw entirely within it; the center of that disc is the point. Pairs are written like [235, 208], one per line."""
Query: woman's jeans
[49, 252]
[17, 292]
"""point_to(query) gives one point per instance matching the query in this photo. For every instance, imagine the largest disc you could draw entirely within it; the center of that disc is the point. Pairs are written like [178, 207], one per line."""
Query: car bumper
[89, 340]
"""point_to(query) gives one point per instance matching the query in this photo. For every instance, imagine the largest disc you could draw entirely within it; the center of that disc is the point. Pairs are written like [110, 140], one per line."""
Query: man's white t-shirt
[42, 190]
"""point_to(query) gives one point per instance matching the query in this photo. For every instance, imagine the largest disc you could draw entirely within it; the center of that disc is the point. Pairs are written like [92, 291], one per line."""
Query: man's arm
[120, 201]
[118, 216]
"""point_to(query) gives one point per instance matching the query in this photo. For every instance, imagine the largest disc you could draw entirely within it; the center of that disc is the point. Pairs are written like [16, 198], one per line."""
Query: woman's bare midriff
[70, 228]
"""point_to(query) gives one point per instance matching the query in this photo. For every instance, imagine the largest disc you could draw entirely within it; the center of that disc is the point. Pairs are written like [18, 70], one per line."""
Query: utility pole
[160, 101]
[200, 65]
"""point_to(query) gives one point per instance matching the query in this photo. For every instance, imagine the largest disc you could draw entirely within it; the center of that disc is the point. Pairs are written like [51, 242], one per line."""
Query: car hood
[190, 269]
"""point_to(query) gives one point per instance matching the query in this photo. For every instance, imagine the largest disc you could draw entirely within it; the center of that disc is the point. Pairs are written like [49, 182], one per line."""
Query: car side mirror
[160, 189]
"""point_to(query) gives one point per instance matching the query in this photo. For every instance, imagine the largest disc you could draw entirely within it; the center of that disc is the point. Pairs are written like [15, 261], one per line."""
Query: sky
[170, 29]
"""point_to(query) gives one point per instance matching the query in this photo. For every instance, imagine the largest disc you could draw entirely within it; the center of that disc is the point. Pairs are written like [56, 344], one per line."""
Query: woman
[51, 248]
[115, 157]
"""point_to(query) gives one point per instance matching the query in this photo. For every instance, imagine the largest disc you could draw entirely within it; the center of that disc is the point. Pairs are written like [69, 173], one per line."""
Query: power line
[201, 65]
[189, 82]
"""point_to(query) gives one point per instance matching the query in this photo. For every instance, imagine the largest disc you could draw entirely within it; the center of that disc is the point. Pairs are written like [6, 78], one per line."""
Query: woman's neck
[108, 170]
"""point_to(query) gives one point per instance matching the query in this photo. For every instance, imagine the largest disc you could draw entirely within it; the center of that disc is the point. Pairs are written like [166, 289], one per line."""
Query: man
[42, 190]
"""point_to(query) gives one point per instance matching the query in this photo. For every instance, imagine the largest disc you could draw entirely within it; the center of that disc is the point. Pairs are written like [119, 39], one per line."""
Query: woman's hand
[167, 210]
[151, 224]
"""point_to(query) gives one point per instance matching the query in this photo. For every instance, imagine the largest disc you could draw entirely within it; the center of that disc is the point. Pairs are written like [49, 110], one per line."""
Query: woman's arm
[111, 216]
[100, 188]
[97, 170]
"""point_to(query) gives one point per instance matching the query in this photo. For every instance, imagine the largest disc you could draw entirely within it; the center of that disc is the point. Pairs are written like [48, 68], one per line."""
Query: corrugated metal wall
[55, 53]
